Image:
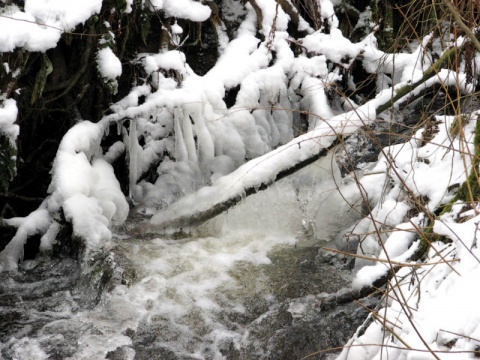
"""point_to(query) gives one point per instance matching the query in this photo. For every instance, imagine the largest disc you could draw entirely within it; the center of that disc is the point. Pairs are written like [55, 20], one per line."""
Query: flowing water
[246, 285]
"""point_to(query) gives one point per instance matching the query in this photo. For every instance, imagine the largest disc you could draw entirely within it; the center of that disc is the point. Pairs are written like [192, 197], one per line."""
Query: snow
[129, 6]
[109, 66]
[114, 152]
[334, 46]
[40, 26]
[84, 185]
[65, 15]
[36, 222]
[171, 60]
[262, 169]
[273, 15]
[185, 9]
[215, 152]
[20, 29]
[431, 288]
[8, 116]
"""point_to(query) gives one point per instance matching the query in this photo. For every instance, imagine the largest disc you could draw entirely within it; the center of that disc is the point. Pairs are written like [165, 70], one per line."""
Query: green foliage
[145, 26]
[121, 5]
[108, 37]
[108, 40]
[7, 162]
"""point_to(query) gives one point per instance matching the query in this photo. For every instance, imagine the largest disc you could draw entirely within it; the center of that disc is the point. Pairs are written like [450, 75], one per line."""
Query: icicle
[37, 222]
[181, 153]
[119, 127]
[133, 156]
[189, 139]
[206, 148]
[284, 118]
[49, 238]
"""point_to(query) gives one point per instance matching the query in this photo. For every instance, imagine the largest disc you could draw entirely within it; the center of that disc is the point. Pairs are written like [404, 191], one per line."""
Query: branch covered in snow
[257, 174]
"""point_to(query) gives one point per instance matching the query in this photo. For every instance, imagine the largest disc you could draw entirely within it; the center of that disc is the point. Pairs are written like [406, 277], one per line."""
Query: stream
[246, 285]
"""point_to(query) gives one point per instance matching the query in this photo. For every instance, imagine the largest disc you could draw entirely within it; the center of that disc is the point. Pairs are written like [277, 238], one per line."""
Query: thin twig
[396, 263]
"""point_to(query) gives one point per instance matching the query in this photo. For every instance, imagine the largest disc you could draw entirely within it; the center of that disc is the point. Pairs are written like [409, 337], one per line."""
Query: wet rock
[39, 300]
[31, 298]
[122, 353]
[159, 352]
[299, 328]
[364, 146]
[37, 296]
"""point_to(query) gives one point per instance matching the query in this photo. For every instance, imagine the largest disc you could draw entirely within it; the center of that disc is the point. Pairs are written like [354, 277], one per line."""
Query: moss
[427, 236]
[41, 79]
[459, 122]
[473, 179]
[469, 191]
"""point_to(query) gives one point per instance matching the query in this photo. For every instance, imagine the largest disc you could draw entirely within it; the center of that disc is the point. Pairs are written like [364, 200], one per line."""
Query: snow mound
[431, 305]
[109, 66]
[40, 26]
[8, 115]
[84, 185]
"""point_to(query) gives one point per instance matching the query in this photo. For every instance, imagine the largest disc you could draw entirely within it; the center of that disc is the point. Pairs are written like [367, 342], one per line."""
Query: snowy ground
[430, 305]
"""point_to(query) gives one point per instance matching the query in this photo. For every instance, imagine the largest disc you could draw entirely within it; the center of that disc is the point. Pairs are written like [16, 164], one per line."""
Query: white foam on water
[190, 292]
[185, 288]
[311, 204]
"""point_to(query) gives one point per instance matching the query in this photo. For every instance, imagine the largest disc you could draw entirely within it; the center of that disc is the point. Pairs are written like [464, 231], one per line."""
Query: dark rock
[121, 353]
[364, 146]
[299, 328]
